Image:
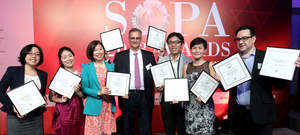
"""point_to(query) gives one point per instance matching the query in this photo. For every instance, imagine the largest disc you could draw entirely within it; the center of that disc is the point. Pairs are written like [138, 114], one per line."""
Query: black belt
[243, 107]
[135, 91]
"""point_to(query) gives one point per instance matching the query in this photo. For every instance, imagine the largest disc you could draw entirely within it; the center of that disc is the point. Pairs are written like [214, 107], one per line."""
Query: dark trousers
[137, 103]
[246, 126]
[173, 118]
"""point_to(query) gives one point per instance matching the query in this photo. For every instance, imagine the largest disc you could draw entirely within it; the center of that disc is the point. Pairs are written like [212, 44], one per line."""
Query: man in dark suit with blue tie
[140, 97]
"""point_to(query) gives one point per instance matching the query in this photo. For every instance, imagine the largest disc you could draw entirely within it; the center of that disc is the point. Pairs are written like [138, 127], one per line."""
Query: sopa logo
[150, 13]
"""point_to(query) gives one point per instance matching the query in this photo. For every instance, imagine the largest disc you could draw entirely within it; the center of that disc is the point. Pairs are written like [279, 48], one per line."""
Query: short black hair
[91, 47]
[246, 27]
[198, 40]
[60, 51]
[25, 50]
[176, 34]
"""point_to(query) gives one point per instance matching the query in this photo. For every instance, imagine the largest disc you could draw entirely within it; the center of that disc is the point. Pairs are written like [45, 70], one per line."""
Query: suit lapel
[94, 74]
[258, 59]
[144, 61]
[22, 75]
[127, 61]
[40, 75]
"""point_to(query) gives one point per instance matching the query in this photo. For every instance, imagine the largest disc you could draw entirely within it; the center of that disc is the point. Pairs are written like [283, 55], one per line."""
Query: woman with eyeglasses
[68, 118]
[31, 56]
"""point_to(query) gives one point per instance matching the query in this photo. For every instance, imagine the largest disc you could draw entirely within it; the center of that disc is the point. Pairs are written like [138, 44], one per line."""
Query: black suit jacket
[262, 104]
[13, 78]
[122, 65]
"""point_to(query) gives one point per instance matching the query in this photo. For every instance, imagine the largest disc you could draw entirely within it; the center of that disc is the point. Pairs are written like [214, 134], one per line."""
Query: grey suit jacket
[182, 60]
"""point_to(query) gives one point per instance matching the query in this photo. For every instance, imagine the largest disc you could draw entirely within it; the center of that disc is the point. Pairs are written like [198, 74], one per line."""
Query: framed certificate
[279, 63]
[205, 86]
[156, 38]
[64, 81]
[112, 39]
[26, 98]
[162, 71]
[233, 71]
[118, 83]
[176, 89]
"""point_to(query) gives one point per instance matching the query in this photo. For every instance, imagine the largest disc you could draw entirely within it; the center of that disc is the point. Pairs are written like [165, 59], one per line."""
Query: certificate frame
[55, 83]
[112, 35]
[157, 73]
[197, 88]
[179, 92]
[157, 34]
[279, 62]
[240, 71]
[22, 108]
[113, 80]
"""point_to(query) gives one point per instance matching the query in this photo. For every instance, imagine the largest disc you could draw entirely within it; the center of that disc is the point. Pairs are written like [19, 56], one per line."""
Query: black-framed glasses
[245, 38]
[135, 38]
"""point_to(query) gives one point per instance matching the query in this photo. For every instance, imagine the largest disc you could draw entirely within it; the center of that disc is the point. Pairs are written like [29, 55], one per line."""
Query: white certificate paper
[156, 38]
[162, 71]
[279, 63]
[26, 98]
[205, 86]
[233, 71]
[63, 82]
[176, 89]
[118, 83]
[112, 39]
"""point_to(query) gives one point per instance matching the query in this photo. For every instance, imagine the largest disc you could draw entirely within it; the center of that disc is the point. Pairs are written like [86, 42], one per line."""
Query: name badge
[148, 66]
[258, 65]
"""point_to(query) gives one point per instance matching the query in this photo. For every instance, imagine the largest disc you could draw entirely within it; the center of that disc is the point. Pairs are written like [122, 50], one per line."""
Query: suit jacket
[13, 78]
[90, 86]
[262, 104]
[122, 65]
[182, 60]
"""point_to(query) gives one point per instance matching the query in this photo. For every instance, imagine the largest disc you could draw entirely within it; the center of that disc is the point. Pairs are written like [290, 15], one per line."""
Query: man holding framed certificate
[251, 104]
[140, 97]
[173, 114]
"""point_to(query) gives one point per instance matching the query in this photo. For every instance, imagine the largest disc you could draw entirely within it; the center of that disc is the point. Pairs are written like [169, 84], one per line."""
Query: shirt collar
[252, 54]
[177, 59]
[133, 52]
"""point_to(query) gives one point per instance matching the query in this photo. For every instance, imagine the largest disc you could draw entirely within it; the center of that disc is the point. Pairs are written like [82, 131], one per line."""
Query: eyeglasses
[245, 38]
[174, 42]
[135, 38]
[34, 54]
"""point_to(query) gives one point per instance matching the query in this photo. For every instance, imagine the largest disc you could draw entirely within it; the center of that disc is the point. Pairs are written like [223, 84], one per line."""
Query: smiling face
[245, 42]
[175, 45]
[98, 53]
[33, 57]
[67, 59]
[198, 51]
[135, 38]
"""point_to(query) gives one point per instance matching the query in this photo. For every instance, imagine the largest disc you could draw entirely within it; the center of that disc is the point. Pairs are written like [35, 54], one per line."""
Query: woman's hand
[198, 99]
[63, 99]
[175, 101]
[77, 88]
[160, 89]
[104, 91]
[18, 114]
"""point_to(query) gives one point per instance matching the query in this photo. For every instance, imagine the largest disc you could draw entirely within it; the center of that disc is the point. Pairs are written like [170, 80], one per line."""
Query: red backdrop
[75, 23]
